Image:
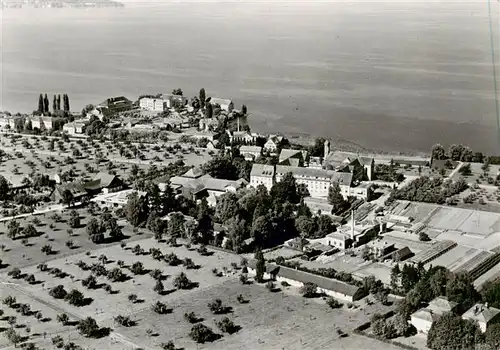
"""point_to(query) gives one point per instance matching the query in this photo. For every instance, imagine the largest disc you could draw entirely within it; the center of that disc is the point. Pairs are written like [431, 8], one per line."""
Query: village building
[483, 314]
[379, 248]
[273, 143]
[293, 157]
[329, 286]
[422, 319]
[171, 100]
[250, 153]
[240, 136]
[262, 174]
[208, 124]
[152, 104]
[114, 200]
[225, 104]
[114, 105]
[362, 167]
[315, 182]
[73, 128]
[77, 189]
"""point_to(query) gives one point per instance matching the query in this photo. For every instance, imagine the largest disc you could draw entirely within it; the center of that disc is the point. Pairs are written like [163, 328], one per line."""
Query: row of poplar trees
[43, 103]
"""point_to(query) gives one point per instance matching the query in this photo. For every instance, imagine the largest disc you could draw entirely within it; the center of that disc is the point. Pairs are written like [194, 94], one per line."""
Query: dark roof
[304, 277]
[105, 179]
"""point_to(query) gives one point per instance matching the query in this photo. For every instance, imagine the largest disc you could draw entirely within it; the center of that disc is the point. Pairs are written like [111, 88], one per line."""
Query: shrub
[333, 303]
[202, 334]
[156, 274]
[75, 297]
[182, 282]
[191, 317]
[124, 321]
[58, 292]
[308, 290]
[58, 341]
[88, 327]
[160, 308]
[159, 288]
[217, 307]
[90, 282]
[168, 345]
[243, 279]
[132, 298]
[270, 286]
[227, 326]
[63, 319]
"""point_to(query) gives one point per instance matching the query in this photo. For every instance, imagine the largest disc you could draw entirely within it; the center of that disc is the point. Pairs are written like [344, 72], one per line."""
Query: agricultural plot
[269, 320]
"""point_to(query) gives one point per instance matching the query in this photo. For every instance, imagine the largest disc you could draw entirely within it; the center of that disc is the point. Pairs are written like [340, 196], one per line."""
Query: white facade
[271, 146]
[422, 321]
[315, 181]
[152, 104]
[225, 105]
[250, 152]
[262, 174]
[73, 128]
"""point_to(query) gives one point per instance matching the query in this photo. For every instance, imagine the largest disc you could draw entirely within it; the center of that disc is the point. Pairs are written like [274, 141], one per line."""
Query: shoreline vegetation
[16, 4]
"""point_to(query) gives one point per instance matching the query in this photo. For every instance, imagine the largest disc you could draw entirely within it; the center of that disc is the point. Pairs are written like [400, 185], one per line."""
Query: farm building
[297, 278]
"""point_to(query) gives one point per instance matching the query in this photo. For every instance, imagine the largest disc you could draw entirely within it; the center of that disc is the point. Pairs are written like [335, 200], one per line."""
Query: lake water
[385, 75]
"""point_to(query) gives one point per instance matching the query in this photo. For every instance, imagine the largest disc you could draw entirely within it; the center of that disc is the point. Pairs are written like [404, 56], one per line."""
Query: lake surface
[384, 75]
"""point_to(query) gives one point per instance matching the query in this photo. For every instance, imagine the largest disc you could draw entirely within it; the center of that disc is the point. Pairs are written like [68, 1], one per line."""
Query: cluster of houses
[483, 314]
[337, 167]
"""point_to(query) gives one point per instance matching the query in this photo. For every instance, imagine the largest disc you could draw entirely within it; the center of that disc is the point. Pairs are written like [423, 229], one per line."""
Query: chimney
[238, 119]
[352, 225]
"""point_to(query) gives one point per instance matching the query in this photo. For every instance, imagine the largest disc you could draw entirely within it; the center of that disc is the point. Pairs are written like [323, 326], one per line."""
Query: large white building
[315, 181]
[422, 319]
[152, 104]
[250, 152]
[262, 174]
[73, 128]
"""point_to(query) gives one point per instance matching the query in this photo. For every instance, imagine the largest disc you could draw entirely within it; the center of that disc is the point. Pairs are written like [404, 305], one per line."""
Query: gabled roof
[262, 170]
[305, 172]
[291, 153]
[105, 179]
[305, 277]
[344, 179]
[441, 305]
[194, 173]
[425, 314]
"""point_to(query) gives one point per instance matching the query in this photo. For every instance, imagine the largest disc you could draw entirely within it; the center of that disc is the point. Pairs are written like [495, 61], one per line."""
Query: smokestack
[352, 225]
[238, 123]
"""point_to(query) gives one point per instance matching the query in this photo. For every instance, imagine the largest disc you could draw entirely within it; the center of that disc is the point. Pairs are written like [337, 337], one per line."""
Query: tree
[156, 225]
[67, 197]
[333, 303]
[137, 268]
[423, 237]
[260, 267]
[45, 104]
[90, 282]
[203, 97]
[88, 327]
[182, 282]
[63, 319]
[93, 227]
[336, 199]
[308, 290]
[227, 326]
[136, 209]
[58, 292]
[75, 297]
[244, 109]
[46, 249]
[492, 335]
[306, 226]
[460, 289]
[40, 104]
[226, 205]
[262, 229]
[450, 331]
[30, 231]
[54, 104]
[209, 110]
[201, 333]
[176, 225]
[438, 152]
[4, 188]
[74, 219]
[13, 336]
[160, 308]
[177, 92]
[116, 275]
[124, 321]
[285, 190]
